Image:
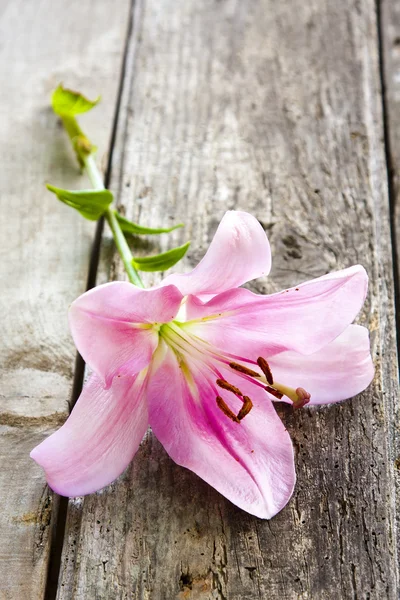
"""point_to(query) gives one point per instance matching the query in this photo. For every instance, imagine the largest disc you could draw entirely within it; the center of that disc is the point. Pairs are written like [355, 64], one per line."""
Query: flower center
[186, 345]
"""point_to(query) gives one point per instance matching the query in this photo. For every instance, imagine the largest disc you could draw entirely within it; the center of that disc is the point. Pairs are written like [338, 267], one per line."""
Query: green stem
[96, 178]
[82, 146]
[123, 247]
[71, 126]
[119, 238]
[84, 150]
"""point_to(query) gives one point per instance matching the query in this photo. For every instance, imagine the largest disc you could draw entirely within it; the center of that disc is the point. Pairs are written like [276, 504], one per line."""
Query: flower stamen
[225, 385]
[243, 369]
[265, 368]
[246, 408]
[226, 410]
[274, 392]
[247, 403]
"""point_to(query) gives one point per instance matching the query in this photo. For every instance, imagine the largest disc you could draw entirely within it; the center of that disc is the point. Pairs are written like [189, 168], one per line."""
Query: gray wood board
[274, 108]
[390, 32]
[45, 248]
[389, 12]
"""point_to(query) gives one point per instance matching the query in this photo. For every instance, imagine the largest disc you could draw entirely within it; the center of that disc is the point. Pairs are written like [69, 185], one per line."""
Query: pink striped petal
[238, 253]
[112, 325]
[339, 371]
[98, 440]
[303, 319]
[251, 462]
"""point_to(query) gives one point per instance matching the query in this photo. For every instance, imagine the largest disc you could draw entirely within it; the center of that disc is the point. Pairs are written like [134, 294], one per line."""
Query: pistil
[298, 396]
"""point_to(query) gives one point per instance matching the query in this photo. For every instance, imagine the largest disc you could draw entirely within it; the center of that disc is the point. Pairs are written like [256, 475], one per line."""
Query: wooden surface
[390, 38]
[275, 108]
[44, 249]
[390, 62]
[271, 107]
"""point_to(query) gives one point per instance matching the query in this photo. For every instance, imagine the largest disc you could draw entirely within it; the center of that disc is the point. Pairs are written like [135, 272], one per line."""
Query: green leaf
[160, 262]
[92, 204]
[68, 103]
[135, 229]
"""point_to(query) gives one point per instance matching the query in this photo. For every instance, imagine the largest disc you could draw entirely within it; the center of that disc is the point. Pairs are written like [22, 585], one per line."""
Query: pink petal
[99, 439]
[303, 319]
[239, 252]
[112, 325]
[251, 462]
[339, 371]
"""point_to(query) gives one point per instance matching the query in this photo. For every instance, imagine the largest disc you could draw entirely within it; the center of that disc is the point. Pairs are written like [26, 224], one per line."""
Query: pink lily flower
[202, 360]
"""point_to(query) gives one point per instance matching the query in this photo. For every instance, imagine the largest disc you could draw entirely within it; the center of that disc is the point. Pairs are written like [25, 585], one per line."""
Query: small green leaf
[160, 262]
[92, 204]
[69, 103]
[135, 229]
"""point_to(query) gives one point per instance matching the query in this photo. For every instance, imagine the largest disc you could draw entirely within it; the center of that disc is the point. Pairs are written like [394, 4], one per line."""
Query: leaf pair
[92, 204]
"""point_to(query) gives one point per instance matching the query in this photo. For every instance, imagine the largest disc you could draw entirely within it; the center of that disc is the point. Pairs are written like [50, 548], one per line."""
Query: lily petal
[112, 325]
[239, 252]
[339, 371]
[304, 319]
[251, 462]
[98, 440]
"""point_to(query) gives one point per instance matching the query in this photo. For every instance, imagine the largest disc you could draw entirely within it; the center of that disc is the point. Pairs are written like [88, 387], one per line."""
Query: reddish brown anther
[226, 410]
[246, 408]
[228, 386]
[264, 366]
[243, 369]
[274, 392]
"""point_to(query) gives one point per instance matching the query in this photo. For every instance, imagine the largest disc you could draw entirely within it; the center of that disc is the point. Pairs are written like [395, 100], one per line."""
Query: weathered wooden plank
[389, 13]
[44, 249]
[390, 32]
[274, 108]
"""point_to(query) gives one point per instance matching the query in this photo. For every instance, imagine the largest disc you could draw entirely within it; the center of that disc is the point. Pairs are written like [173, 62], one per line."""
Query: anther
[264, 366]
[243, 369]
[303, 396]
[246, 408]
[225, 385]
[226, 410]
[274, 392]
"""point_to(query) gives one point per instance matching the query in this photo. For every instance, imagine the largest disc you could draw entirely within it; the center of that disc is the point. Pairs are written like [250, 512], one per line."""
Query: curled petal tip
[239, 252]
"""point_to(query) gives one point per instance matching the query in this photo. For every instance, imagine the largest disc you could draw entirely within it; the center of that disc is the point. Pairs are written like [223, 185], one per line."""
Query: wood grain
[389, 13]
[390, 36]
[274, 108]
[44, 248]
